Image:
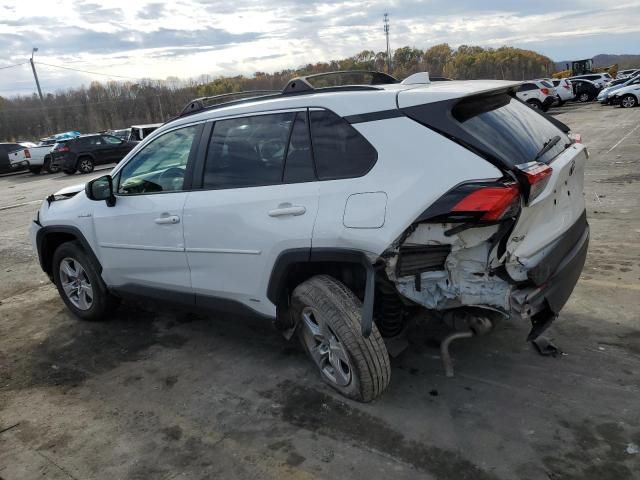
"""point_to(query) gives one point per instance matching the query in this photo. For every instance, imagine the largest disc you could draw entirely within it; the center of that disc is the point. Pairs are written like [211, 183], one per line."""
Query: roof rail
[296, 85]
[305, 83]
[198, 104]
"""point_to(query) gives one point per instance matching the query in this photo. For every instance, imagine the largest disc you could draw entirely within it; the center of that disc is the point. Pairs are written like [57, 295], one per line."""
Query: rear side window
[299, 163]
[508, 128]
[339, 150]
[248, 151]
[527, 86]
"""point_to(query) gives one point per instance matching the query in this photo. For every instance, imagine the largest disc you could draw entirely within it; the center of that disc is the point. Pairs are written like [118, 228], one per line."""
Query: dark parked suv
[85, 152]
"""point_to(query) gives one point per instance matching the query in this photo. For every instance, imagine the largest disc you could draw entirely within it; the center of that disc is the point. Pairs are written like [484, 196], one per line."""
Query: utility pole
[35, 76]
[160, 103]
[386, 33]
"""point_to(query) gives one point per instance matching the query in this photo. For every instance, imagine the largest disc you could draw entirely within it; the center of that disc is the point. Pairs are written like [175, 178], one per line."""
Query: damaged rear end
[512, 246]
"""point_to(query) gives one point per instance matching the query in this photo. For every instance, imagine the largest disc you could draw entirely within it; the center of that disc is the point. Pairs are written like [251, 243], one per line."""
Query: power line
[87, 71]
[14, 65]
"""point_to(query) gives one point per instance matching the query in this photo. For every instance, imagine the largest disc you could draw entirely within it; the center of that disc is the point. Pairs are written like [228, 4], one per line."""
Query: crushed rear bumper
[554, 279]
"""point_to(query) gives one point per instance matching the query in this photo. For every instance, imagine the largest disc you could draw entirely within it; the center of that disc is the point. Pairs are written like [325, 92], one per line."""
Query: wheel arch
[294, 266]
[49, 238]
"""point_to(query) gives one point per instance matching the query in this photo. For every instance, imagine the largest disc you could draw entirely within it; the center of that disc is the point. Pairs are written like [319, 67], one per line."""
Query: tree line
[102, 106]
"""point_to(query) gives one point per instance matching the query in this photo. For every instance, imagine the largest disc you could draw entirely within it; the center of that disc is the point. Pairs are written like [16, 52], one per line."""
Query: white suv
[334, 212]
[538, 94]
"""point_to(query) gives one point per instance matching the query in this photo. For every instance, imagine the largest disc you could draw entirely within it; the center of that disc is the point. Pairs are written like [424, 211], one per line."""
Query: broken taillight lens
[480, 202]
[575, 137]
[536, 176]
[494, 203]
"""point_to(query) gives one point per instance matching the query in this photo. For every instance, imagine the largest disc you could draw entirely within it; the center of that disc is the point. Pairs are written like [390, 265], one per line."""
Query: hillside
[605, 59]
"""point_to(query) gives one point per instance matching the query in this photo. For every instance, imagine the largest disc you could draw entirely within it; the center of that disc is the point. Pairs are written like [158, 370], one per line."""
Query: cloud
[187, 38]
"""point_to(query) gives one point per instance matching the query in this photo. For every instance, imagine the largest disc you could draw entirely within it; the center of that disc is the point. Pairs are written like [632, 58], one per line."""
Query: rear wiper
[547, 146]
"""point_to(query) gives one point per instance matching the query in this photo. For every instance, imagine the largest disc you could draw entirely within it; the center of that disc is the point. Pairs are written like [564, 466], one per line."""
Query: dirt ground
[156, 394]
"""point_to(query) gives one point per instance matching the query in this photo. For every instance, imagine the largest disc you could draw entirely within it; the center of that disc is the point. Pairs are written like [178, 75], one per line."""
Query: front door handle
[285, 209]
[167, 220]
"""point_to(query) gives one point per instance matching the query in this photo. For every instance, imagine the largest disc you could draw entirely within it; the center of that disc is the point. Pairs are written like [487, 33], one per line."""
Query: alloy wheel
[76, 284]
[325, 348]
[584, 97]
[85, 166]
[628, 102]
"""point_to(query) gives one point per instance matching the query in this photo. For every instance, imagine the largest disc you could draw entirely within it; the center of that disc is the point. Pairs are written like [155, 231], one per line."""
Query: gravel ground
[157, 394]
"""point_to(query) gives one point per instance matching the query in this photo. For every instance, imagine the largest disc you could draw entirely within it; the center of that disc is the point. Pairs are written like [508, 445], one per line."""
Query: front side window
[160, 166]
[339, 150]
[248, 151]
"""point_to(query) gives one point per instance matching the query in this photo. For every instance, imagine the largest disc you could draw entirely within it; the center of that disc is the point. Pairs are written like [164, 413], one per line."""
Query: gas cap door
[365, 210]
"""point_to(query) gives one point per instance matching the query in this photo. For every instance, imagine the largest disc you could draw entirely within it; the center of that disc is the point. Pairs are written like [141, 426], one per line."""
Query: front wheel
[584, 97]
[628, 101]
[85, 165]
[79, 283]
[329, 327]
[49, 167]
[35, 170]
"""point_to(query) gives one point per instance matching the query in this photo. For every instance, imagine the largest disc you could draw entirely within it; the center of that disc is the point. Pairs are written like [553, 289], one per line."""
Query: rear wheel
[535, 104]
[79, 283]
[628, 101]
[85, 165]
[49, 167]
[329, 327]
[584, 97]
[35, 170]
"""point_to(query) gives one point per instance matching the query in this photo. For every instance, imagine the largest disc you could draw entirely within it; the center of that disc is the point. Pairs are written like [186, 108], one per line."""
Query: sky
[189, 38]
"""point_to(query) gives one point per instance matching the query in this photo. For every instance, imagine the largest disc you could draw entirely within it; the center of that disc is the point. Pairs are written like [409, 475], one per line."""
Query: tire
[329, 328]
[79, 283]
[68, 171]
[48, 167]
[584, 97]
[561, 102]
[628, 101]
[35, 170]
[535, 104]
[85, 165]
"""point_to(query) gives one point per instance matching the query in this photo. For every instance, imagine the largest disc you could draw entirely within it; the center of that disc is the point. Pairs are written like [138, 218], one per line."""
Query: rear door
[116, 148]
[257, 198]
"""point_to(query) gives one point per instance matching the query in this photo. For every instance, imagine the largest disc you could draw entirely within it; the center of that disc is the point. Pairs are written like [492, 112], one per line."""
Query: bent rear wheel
[329, 328]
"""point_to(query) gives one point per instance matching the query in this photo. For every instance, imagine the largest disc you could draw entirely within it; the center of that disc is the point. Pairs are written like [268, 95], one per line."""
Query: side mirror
[101, 188]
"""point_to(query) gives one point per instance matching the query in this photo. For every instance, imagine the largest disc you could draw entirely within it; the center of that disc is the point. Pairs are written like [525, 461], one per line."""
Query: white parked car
[627, 97]
[564, 90]
[601, 80]
[333, 211]
[538, 94]
[606, 95]
[630, 72]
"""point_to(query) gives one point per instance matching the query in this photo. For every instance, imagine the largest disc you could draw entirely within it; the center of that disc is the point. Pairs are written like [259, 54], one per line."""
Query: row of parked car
[72, 151]
[543, 93]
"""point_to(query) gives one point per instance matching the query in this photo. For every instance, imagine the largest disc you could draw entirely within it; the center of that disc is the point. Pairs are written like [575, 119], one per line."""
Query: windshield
[509, 129]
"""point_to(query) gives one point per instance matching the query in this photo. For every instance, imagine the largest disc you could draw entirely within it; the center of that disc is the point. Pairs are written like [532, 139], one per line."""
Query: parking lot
[158, 394]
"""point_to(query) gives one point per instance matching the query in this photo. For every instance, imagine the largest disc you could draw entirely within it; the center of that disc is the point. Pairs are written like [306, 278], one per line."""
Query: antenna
[386, 33]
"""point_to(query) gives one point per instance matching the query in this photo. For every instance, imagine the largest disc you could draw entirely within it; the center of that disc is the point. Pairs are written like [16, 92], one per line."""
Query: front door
[258, 198]
[140, 239]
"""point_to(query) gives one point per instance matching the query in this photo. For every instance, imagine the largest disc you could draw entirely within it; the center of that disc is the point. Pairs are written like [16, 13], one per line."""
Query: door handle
[167, 220]
[285, 209]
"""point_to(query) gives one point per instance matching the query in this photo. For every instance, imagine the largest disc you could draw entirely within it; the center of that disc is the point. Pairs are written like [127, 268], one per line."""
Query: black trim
[374, 116]
[44, 255]
[188, 300]
[288, 258]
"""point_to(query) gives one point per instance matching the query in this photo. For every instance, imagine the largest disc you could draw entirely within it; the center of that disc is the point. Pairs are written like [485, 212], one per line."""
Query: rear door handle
[167, 220]
[285, 209]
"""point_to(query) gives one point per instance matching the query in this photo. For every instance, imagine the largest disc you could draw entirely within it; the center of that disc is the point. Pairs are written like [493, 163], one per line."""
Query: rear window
[508, 128]
[546, 84]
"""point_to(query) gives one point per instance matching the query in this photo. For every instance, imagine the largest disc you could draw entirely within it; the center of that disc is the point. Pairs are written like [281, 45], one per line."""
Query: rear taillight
[27, 153]
[536, 175]
[575, 137]
[545, 91]
[64, 149]
[478, 202]
[493, 203]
